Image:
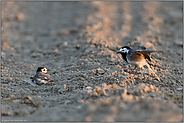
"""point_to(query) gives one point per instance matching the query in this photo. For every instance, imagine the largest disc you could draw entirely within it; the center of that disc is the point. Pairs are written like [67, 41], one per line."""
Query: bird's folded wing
[42, 77]
[145, 51]
[147, 54]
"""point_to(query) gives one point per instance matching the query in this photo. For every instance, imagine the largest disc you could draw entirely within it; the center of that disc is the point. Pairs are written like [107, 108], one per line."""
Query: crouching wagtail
[138, 58]
[41, 77]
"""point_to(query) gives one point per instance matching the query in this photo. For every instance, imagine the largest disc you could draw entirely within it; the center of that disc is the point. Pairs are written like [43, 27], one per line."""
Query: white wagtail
[41, 77]
[138, 58]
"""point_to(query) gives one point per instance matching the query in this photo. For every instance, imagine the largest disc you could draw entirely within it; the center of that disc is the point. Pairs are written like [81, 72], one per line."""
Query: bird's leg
[153, 72]
[137, 69]
[134, 70]
[148, 62]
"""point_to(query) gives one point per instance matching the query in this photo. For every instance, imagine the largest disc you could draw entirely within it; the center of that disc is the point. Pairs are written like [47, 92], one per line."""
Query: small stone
[62, 89]
[85, 83]
[100, 71]
[63, 32]
[88, 88]
[77, 47]
[54, 72]
[6, 46]
[56, 50]
[20, 16]
[68, 102]
[138, 38]
[151, 87]
[88, 50]
[141, 92]
[65, 43]
[146, 45]
[35, 55]
[67, 31]
[152, 48]
[78, 107]
[113, 48]
[127, 97]
[179, 89]
[6, 110]
[179, 42]
[73, 30]
[3, 54]
[106, 101]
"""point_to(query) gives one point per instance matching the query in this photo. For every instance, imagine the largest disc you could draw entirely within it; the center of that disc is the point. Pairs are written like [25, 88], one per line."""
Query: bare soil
[77, 42]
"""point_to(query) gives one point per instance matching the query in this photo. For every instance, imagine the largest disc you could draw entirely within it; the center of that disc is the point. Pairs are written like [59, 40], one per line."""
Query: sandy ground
[78, 42]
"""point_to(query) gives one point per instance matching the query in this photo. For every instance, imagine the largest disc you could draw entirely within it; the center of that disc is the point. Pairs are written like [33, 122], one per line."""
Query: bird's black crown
[39, 69]
[126, 47]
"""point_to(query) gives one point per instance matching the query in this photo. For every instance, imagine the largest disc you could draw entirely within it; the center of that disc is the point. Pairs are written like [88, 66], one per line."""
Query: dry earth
[77, 42]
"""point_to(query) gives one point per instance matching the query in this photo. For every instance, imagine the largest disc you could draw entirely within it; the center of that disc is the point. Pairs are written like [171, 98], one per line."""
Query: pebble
[78, 107]
[62, 89]
[3, 54]
[179, 89]
[6, 46]
[20, 16]
[146, 45]
[113, 48]
[87, 88]
[68, 102]
[85, 83]
[179, 42]
[151, 48]
[88, 50]
[65, 43]
[77, 47]
[67, 31]
[100, 71]
[35, 55]
[6, 111]
[138, 38]
[54, 72]
[63, 32]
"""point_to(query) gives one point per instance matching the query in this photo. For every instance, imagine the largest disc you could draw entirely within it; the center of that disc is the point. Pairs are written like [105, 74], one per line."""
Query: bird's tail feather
[153, 72]
[32, 82]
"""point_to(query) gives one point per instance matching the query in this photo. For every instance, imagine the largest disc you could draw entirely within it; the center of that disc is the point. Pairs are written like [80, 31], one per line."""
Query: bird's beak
[118, 52]
[48, 69]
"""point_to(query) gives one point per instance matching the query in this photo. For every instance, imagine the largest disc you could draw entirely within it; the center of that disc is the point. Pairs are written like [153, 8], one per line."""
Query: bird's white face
[123, 50]
[44, 70]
